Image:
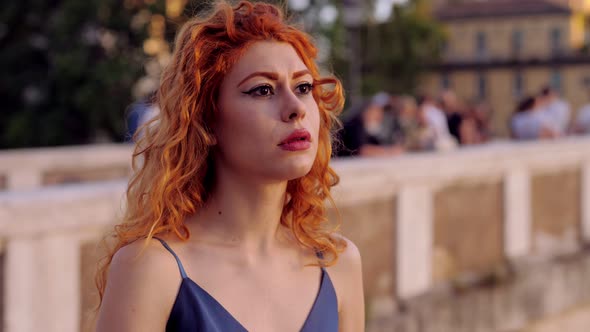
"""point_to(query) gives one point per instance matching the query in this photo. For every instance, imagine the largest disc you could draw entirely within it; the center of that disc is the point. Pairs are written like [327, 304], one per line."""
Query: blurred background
[463, 155]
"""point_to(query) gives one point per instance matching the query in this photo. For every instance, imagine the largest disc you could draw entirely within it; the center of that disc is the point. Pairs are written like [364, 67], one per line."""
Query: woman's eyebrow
[274, 76]
[269, 75]
[300, 73]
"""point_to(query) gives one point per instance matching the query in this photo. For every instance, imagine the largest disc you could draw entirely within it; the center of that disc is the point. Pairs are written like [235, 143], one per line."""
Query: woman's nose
[293, 108]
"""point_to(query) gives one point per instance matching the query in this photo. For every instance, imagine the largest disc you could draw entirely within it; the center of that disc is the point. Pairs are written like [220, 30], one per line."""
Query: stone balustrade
[28, 169]
[396, 209]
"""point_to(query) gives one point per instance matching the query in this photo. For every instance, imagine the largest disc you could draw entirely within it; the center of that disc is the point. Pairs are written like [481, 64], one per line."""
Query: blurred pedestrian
[468, 132]
[455, 112]
[530, 122]
[582, 123]
[140, 113]
[412, 131]
[556, 110]
[483, 113]
[436, 119]
[365, 133]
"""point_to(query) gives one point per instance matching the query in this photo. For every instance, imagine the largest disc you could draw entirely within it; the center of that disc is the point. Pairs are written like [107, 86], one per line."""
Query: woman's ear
[210, 131]
[212, 134]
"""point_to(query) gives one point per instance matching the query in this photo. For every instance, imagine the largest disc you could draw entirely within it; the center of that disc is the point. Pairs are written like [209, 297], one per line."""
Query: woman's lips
[295, 146]
[299, 140]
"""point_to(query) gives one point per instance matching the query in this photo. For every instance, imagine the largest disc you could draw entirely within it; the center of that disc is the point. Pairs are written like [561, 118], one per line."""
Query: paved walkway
[575, 320]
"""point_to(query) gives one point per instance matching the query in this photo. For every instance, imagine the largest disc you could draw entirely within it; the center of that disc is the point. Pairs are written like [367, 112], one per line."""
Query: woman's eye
[304, 88]
[261, 91]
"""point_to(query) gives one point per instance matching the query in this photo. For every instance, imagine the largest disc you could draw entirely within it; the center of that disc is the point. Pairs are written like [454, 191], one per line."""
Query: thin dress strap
[180, 267]
[320, 256]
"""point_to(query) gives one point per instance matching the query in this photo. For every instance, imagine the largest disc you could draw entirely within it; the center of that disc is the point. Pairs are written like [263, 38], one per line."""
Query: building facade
[500, 51]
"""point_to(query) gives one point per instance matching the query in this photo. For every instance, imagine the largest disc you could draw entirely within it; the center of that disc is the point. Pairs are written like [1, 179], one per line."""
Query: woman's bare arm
[348, 282]
[140, 290]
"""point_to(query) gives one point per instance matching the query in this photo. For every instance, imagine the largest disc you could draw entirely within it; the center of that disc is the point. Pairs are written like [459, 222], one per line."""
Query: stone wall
[576, 319]
[371, 226]
[467, 230]
[555, 200]
[508, 301]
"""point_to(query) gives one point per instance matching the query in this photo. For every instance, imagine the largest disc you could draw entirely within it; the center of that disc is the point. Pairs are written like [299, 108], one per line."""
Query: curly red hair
[172, 162]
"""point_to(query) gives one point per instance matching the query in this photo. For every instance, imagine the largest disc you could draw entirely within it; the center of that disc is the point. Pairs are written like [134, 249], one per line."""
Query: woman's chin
[295, 169]
[300, 173]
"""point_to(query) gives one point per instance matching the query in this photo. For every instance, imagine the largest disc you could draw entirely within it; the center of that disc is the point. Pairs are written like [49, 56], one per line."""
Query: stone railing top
[471, 161]
[67, 157]
[74, 205]
[372, 178]
[466, 161]
[61, 208]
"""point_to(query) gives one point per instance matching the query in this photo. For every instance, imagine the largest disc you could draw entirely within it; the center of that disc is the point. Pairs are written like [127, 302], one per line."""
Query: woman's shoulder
[142, 258]
[349, 260]
[136, 270]
[347, 278]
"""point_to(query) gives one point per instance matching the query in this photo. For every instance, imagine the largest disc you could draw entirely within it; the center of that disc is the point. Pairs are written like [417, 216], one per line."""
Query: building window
[481, 86]
[555, 80]
[555, 41]
[445, 81]
[518, 85]
[517, 41]
[480, 44]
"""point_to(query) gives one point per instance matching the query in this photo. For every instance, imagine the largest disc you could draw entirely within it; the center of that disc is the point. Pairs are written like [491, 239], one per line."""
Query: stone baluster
[517, 213]
[42, 284]
[414, 240]
[585, 202]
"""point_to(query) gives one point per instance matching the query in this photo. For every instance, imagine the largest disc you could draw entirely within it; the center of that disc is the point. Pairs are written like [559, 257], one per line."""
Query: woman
[225, 227]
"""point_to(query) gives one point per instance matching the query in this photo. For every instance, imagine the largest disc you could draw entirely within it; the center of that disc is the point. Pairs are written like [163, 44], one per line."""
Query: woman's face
[268, 121]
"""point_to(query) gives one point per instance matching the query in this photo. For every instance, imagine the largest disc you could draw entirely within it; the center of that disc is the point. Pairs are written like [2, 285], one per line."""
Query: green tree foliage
[395, 53]
[69, 67]
[67, 70]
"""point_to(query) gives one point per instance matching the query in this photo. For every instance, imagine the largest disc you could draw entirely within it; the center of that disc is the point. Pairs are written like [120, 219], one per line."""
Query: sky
[328, 13]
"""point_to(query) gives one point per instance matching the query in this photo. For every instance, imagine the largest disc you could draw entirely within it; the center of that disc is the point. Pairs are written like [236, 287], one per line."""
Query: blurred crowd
[546, 116]
[388, 125]
[394, 124]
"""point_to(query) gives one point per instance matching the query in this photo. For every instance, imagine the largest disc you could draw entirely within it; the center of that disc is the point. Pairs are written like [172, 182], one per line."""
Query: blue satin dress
[195, 310]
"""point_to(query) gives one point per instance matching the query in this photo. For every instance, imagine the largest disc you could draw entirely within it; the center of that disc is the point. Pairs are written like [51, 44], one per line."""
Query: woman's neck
[243, 213]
